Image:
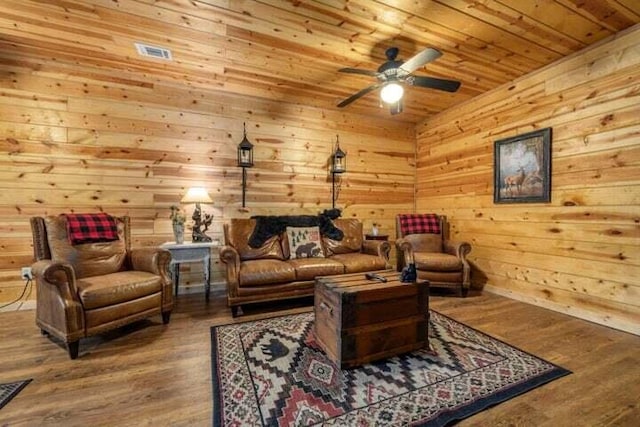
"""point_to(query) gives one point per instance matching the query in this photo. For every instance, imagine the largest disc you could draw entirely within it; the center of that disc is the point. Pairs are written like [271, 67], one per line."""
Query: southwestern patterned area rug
[272, 373]
[9, 390]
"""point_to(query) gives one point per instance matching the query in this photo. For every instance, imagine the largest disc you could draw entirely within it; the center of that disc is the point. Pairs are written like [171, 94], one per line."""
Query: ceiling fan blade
[419, 59]
[358, 95]
[433, 83]
[358, 71]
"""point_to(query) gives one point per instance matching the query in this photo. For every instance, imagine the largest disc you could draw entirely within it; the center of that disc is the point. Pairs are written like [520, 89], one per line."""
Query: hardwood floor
[152, 374]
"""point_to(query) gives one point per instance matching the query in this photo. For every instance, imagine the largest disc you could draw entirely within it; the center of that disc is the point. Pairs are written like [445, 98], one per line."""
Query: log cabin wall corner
[580, 253]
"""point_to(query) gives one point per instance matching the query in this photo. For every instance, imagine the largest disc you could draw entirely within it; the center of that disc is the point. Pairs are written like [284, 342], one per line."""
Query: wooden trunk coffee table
[358, 320]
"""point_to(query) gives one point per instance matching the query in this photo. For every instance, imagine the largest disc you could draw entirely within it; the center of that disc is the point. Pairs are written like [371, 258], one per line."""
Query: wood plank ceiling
[292, 50]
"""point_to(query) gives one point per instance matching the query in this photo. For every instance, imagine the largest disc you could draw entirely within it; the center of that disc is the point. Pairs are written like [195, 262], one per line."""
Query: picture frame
[522, 168]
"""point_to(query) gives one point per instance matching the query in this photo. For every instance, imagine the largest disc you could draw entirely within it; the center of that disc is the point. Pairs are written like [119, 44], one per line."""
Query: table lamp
[199, 195]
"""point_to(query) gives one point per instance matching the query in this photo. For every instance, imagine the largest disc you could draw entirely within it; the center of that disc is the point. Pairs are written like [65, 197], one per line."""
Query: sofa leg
[464, 292]
[73, 348]
[166, 316]
[43, 332]
[236, 310]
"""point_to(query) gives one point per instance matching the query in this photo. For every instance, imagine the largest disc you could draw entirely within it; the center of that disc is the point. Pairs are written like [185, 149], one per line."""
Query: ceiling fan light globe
[391, 93]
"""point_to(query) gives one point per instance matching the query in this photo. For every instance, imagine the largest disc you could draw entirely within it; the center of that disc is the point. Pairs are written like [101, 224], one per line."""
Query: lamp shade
[197, 195]
[391, 93]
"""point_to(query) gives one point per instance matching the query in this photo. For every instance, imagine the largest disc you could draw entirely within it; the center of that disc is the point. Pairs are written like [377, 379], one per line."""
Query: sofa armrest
[231, 258]
[377, 247]
[150, 259]
[404, 253]
[154, 260]
[60, 275]
[458, 248]
[461, 250]
[59, 310]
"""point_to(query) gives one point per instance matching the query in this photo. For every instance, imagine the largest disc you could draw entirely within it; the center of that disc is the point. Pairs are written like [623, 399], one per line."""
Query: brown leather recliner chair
[90, 288]
[441, 261]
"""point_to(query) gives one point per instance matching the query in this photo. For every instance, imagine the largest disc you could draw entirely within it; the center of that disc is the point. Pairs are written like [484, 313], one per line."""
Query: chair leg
[166, 316]
[236, 310]
[73, 348]
[464, 292]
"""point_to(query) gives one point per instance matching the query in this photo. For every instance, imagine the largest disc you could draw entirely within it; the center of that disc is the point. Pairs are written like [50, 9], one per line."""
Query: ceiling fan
[394, 72]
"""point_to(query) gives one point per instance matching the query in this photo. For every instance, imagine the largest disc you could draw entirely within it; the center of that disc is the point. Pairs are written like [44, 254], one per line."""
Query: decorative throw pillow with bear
[305, 242]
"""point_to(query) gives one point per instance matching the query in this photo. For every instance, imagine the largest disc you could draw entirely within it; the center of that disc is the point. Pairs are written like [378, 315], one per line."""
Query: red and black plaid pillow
[91, 228]
[419, 224]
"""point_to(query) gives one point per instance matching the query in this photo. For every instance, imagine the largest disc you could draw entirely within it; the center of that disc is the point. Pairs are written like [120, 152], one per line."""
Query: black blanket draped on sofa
[272, 225]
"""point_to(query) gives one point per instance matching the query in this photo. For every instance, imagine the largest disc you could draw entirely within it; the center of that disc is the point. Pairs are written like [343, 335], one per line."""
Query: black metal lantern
[338, 167]
[245, 151]
[245, 160]
[338, 160]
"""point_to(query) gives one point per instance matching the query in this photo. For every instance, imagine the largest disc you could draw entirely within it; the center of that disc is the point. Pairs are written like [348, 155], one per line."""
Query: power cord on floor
[26, 285]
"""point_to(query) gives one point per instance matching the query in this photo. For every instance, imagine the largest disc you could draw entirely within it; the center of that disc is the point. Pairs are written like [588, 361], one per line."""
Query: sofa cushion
[445, 277]
[352, 240]
[237, 234]
[89, 259]
[111, 316]
[304, 242]
[436, 261]
[310, 268]
[259, 272]
[115, 288]
[357, 262]
[425, 242]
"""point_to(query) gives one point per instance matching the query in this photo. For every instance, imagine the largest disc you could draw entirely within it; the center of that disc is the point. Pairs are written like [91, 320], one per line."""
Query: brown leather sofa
[87, 289]
[267, 273]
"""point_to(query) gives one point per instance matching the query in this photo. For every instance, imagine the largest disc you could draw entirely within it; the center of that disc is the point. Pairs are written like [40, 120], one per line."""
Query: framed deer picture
[522, 168]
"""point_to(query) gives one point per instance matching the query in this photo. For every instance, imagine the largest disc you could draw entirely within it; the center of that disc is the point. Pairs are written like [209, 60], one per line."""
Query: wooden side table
[384, 237]
[189, 252]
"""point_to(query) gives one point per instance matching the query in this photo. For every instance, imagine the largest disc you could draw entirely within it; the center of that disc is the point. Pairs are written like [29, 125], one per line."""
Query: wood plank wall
[79, 138]
[580, 253]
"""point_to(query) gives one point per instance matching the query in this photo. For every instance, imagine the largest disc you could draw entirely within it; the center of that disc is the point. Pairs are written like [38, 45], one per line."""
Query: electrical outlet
[26, 273]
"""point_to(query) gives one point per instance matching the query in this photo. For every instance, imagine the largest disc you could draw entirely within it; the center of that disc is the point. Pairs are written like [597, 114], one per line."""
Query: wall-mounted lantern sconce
[338, 167]
[245, 160]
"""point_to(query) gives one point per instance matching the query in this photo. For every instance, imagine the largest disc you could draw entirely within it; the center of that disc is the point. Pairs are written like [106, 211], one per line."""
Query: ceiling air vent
[153, 51]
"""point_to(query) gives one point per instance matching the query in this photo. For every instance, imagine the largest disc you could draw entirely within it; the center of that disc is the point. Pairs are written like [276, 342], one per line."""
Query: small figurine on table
[198, 235]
